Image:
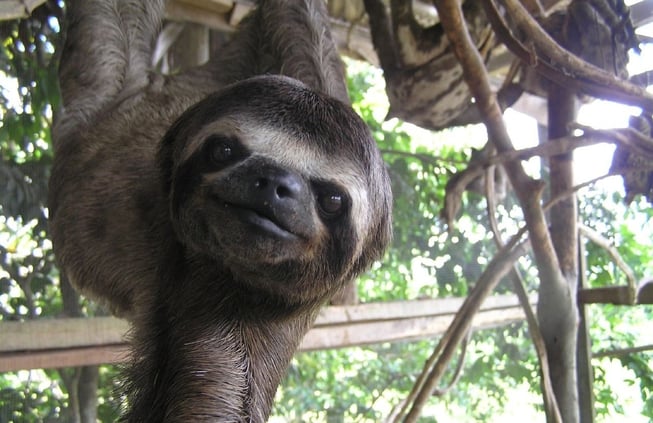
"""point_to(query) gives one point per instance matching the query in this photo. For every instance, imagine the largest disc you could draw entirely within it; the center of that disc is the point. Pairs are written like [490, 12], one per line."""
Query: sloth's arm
[108, 49]
[288, 37]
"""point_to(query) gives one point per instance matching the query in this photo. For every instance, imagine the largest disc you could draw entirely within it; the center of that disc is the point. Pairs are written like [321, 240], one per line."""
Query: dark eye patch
[332, 200]
[216, 153]
[220, 151]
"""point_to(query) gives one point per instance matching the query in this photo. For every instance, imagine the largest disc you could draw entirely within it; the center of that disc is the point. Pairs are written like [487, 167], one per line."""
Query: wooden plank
[642, 12]
[352, 41]
[366, 333]
[74, 342]
[325, 337]
[238, 13]
[406, 309]
[14, 9]
[334, 315]
[69, 357]
[618, 295]
[215, 6]
[48, 334]
[179, 11]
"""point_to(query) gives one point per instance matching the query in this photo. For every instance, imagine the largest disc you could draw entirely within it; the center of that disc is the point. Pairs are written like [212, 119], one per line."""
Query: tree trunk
[80, 382]
[557, 309]
[87, 393]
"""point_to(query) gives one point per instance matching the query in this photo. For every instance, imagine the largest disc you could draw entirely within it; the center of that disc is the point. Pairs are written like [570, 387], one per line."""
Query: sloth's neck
[203, 356]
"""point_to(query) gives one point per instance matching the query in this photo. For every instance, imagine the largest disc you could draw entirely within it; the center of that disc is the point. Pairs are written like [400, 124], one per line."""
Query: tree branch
[528, 191]
[556, 309]
[459, 367]
[622, 351]
[422, 157]
[575, 70]
[613, 172]
[597, 239]
[626, 137]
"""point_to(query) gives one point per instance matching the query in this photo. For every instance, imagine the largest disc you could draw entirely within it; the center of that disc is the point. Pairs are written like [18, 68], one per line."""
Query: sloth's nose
[279, 187]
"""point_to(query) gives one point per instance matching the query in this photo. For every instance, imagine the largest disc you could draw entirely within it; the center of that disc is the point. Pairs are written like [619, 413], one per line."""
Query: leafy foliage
[29, 95]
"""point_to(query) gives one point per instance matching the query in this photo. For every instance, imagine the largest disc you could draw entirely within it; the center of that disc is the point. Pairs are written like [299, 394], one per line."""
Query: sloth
[216, 209]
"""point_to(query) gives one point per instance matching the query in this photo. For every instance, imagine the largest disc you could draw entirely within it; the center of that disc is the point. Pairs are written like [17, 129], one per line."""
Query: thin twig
[597, 239]
[424, 158]
[554, 200]
[550, 402]
[459, 367]
[613, 172]
[625, 137]
[622, 351]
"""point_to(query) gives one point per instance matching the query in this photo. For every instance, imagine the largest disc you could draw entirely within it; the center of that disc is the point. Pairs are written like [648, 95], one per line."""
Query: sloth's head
[280, 185]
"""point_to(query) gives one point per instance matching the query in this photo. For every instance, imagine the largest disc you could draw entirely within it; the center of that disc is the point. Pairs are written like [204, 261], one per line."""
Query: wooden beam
[212, 17]
[395, 310]
[50, 334]
[238, 13]
[642, 13]
[15, 9]
[65, 357]
[374, 332]
[216, 6]
[618, 295]
[223, 15]
[86, 341]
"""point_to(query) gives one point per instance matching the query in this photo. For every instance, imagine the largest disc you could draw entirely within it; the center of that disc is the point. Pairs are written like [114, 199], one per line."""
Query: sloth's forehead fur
[290, 150]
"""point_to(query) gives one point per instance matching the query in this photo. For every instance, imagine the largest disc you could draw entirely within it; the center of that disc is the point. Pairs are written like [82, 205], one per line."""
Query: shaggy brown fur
[216, 209]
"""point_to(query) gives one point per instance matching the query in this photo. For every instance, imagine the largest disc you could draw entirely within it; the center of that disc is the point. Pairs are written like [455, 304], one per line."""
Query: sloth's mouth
[263, 220]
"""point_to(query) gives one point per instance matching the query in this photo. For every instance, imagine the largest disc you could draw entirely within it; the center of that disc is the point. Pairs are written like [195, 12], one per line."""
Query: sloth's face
[280, 185]
[244, 204]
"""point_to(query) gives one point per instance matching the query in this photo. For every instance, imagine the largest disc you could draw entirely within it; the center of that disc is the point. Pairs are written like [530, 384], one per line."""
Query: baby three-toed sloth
[216, 209]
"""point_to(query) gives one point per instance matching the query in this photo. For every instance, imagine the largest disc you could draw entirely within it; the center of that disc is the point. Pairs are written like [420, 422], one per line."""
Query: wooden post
[584, 356]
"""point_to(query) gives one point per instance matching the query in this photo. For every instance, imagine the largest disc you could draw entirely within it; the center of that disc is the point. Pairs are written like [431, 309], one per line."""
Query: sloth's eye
[221, 151]
[332, 201]
[331, 204]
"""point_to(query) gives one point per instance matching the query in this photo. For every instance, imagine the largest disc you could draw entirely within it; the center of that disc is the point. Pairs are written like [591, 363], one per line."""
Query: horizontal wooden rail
[54, 343]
